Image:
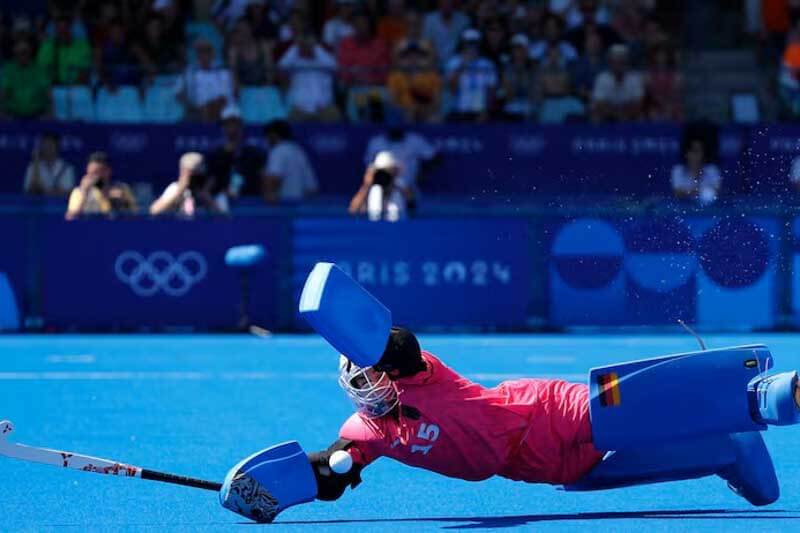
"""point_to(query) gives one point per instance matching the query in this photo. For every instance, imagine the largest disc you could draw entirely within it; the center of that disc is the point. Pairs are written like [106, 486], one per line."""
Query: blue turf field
[197, 404]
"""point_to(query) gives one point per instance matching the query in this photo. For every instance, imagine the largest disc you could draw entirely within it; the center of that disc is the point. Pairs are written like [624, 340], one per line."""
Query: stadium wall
[720, 272]
[485, 162]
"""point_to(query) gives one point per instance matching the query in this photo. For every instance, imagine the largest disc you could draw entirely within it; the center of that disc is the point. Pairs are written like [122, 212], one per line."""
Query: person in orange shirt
[414, 85]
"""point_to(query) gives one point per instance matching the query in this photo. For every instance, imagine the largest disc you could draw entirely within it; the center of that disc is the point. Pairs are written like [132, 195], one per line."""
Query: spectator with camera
[288, 175]
[96, 194]
[412, 152]
[47, 173]
[190, 195]
[380, 196]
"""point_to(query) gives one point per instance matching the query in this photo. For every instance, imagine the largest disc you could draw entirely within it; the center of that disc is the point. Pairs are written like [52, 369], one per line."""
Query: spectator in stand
[776, 21]
[309, 69]
[291, 31]
[393, 25]
[443, 28]
[249, 60]
[553, 38]
[582, 11]
[664, 84]
[472, 79]
[227, 13]
[591, 63]
[415, 85]
[262, 21]
[363, 57]
[618, 93]
[47, 173]
[114, 61]
[532, 23]
[414, 36]
[630, 19]
[696, 179]
[207, 89]
[25, 86]
[340, 26]
[151, 53]
[654, 34]
[234, 167]
[288, 175]
[412, 152]
[789, 79]
[555, 81]
[21, 30]
[174, 22]
[65, 57]
[96, 194]
[591, 20]
[519, 89]
[495, 47]
[380, 196]
[190, 194]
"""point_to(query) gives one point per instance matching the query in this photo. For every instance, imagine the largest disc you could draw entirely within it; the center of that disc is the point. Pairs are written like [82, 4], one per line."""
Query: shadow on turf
[474, 522]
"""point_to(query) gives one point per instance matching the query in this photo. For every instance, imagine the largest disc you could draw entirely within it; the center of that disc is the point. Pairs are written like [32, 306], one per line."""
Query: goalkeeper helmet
[372, 392]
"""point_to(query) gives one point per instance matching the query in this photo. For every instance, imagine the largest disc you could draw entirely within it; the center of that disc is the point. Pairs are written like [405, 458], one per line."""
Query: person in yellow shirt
[91, 196]
[414, 85]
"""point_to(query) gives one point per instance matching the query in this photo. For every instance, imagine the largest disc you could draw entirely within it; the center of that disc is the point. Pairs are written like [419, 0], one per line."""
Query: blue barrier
[489, 160]
[15, 259]
[722, 271]
[154, 273]
[430, 273]
[717, 272]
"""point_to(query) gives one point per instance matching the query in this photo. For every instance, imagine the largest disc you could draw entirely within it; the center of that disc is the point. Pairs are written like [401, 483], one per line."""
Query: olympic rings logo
[160, 271]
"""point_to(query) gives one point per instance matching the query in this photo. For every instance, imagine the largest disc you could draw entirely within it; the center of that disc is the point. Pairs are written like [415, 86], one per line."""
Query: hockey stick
[86, 463]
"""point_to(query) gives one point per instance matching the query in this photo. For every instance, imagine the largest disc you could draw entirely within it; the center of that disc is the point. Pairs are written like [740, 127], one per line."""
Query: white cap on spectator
[193, 162]
[385, 160]
[231, 111]
[520, 39]
[471, 34]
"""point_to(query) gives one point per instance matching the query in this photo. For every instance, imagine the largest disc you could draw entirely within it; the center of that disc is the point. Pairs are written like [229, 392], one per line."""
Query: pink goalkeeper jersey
[532, 430]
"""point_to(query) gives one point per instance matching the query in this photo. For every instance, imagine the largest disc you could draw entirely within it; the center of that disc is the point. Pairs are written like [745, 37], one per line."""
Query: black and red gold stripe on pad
[609, 389]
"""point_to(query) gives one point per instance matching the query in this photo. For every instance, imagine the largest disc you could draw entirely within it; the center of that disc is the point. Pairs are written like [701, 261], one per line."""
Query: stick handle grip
[175, 479]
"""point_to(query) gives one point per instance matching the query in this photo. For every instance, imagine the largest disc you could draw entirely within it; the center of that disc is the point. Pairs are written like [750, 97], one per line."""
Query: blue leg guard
[772, 399]
[752, 476]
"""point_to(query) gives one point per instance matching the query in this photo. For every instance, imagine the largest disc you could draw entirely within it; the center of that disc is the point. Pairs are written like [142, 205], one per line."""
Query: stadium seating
[73, 103]
[558, 110]
[161, 105]
[120, 105]
[360, 98]
[261, 104]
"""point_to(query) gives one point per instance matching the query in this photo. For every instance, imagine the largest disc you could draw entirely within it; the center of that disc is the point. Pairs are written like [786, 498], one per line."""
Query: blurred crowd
[368, 60]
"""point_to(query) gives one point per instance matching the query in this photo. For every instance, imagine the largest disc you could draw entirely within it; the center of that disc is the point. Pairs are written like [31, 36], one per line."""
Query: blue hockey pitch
[196, 405]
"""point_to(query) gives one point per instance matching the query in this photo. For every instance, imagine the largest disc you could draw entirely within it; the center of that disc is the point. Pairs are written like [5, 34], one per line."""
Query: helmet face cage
[373, 394]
